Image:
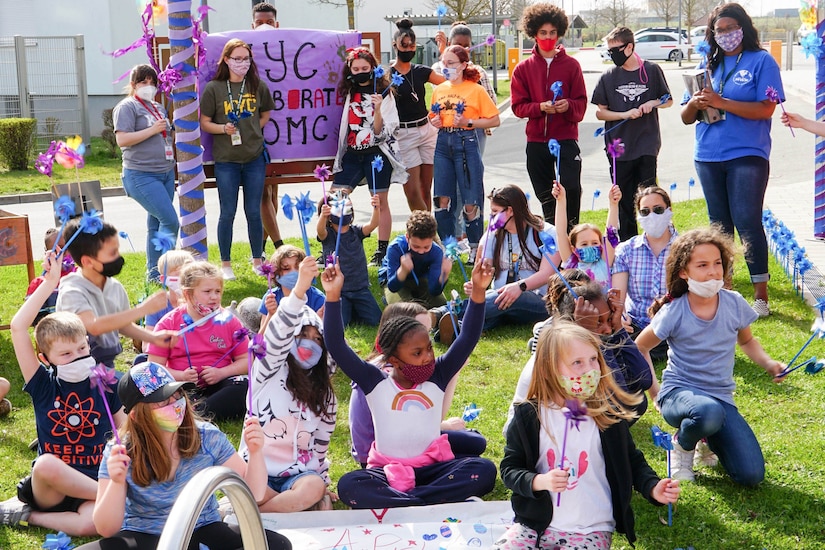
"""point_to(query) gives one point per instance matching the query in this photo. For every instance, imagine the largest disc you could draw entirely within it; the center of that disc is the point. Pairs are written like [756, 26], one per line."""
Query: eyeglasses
[172, 398]
[617, 49]
[241, 59]
[658, 209]
[727, 29]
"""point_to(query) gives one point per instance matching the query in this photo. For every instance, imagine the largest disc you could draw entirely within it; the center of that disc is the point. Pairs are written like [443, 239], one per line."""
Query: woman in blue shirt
[734, 170]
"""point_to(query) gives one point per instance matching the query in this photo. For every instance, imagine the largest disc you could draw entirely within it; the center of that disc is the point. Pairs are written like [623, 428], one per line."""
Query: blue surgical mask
[288, 280]
[589, 254]
[306, 353]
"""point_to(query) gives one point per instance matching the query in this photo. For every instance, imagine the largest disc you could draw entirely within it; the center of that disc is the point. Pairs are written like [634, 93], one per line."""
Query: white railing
[181, 522]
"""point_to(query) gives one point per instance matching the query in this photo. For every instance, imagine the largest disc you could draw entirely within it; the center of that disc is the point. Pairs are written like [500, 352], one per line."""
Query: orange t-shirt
[477, 104]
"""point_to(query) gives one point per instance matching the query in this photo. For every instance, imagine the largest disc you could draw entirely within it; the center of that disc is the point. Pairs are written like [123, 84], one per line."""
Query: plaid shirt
[645, 273]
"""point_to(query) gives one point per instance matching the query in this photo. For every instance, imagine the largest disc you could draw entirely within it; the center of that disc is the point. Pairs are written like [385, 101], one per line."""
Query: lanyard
[727, 76]
[236, 108]
[514, 258]
[153, 111]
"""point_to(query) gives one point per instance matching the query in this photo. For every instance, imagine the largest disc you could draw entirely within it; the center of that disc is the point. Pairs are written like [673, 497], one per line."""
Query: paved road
[790, 190]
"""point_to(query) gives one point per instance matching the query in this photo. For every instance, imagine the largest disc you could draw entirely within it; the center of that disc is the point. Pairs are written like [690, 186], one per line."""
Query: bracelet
[223, 128]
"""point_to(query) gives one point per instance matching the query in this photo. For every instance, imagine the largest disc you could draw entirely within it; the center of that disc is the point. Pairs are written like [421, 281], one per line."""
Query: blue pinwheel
[812, 46]
[377, 165]
[305, 208]
[459, 108]
[396, 80]
[440, 12]
[602, 130]
[596, 194]
[378, 74]
[60, 541]
[556, 88]
[90, 223]
[163, 243]
[471, 412]
[691, 185]
[663, 440]
[452, 251]
[549, 248]
[555, 149]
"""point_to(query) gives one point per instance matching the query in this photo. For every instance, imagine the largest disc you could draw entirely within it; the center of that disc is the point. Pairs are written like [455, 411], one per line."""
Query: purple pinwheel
[451, 250]
[103, 378]
[471, 412]
[489, 41]
[615, 149]
[549, 248]
[773, 94]
[575, 412]
[45, 161]
[90, 223]
[663, 440]
[267, 270]
[125, 235]
[497, 221]
[378, 74]
[60, 541]
[556, 88]
[239, 336]
[377, 165]
[612, 235]
[257, 350]
[555, 149]
[322, 172]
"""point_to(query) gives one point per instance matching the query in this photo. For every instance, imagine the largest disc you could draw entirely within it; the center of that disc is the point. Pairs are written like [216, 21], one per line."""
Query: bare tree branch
[350, 5]
[666, 9]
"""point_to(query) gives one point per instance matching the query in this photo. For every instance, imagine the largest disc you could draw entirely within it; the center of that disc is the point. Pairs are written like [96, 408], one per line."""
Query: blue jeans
[230, 176]
[154, 192]
[735, 193]
[528, 309]
[457, 165]
[360, 306]
[697, 415]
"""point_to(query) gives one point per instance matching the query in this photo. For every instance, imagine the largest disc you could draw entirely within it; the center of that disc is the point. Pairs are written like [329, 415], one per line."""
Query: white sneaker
[761, 308]
[228, 274]
[704, 456]
[681, 465]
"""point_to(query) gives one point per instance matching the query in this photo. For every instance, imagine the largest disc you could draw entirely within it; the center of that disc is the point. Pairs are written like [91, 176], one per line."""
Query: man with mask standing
[265, 18]
[548, 116]
[632, 91]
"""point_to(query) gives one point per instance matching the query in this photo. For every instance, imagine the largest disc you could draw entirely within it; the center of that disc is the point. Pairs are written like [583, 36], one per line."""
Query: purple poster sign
[302, 68]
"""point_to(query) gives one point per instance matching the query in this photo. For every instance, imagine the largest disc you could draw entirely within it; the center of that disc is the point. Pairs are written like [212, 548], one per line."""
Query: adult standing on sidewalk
[629, 94]
[731, 154]
[532, 98]
[235, 106]
[143, 132]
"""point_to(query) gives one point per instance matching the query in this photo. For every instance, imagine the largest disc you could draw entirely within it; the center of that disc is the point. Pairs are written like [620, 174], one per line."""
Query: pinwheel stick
[788, 369]
[562, 277]
[304, 234]
[561, 458]
[463, 271]
[206, 318]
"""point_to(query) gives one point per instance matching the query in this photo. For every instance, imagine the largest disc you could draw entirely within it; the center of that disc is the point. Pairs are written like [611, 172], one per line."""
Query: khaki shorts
[417, 145]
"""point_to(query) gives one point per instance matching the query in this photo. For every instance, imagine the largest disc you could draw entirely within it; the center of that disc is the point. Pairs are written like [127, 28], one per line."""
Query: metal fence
[44, 77]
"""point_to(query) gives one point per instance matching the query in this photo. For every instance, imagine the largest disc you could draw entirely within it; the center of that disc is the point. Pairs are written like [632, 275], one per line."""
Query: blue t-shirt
[353, 260]
[427, 265]
[148, 508]
[735, 136]
[71, 419]
[701, 353]
[315, 299]
[153, 318]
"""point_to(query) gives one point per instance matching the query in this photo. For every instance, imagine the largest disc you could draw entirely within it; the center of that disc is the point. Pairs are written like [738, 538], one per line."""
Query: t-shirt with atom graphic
[71, 419]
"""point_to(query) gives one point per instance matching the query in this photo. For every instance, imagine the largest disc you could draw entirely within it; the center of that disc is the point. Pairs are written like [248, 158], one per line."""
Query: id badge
[170, 155]
[236, 138]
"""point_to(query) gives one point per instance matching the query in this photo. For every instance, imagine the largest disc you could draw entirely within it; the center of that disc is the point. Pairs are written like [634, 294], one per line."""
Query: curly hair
[680, 253]
[559, 302]
[345, 86]
[284, 252]
[536, 16]
[608, 405]
[422, 225]
[750, 36]
[252, 78]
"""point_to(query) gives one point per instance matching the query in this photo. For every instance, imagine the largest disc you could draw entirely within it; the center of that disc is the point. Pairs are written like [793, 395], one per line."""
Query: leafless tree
[666, 9]
[350, 4]
[464, 10]
[614, 12]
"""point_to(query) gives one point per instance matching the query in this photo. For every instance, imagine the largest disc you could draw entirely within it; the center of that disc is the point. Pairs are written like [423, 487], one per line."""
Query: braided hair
[393, 333]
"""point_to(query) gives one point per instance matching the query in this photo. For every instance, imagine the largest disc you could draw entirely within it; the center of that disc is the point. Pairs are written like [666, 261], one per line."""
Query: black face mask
[406, 57]
[361, 78]
[619, 57]
[110, 269]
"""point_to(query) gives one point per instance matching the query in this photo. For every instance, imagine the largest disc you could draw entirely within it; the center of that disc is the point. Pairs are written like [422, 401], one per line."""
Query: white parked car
[661, 45]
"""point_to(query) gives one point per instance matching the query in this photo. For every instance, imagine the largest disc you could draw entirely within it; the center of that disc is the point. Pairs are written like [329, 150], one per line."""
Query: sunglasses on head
[658, 209]
[617, 49]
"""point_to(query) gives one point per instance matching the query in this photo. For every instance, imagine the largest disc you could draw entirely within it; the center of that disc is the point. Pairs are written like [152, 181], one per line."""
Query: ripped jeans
[457, 165]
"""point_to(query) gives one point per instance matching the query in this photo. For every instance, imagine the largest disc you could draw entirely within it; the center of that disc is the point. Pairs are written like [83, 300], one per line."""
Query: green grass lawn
[783, 512]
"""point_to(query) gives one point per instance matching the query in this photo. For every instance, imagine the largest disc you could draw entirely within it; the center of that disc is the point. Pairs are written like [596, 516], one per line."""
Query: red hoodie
[531, 86]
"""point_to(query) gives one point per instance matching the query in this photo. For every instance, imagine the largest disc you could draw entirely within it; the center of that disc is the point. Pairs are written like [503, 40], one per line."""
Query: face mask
[730, 40]
[264, 27]
[547, 44]
[76, 371]
[110, 269]
[451, 73]
[619, 57]
[173, 283]
[361, 78]
[146, 93]
[306, 353]
[706, 289]
[339, 222]
[288, 280]
[239, 68]
[581, 387]
[417, 374]
[589, 254]
[170, 417]
[203, 310]
[405, 57]
[655, 224]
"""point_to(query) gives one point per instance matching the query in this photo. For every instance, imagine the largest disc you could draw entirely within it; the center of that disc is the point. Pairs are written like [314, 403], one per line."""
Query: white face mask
[173, 283]
[146, 93]
[264, 27]
[655, 224]
[451, 73]
[76, 371]
[706, 289]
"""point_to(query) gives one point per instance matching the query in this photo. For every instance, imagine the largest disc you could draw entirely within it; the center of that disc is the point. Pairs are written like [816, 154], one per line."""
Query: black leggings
[215, 536]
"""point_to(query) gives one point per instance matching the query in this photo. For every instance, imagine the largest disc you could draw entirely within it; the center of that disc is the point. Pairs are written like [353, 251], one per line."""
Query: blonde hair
[608, 405]
[284, 252]
[151, 460]
[60, 325]
[193, 273]
[174, 259]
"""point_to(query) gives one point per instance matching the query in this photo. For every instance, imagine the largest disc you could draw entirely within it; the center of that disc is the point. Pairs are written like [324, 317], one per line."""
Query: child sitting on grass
[285, 262]
[66, 268]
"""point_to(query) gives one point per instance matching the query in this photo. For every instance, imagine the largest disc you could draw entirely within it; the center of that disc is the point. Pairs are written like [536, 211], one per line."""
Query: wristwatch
[523, 286]
[470, 123]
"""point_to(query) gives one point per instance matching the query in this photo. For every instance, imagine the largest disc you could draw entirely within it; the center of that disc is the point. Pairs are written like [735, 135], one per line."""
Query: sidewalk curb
[46, 196]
